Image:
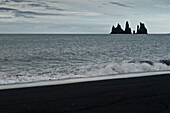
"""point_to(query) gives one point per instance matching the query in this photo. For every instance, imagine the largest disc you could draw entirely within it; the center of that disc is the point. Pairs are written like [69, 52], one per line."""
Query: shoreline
[80, 80]
[145, 94]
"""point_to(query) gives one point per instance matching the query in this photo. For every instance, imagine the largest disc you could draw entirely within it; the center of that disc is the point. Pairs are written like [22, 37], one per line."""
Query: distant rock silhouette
[142, 29]
[138, 30]
[118, 30]
[127, 29]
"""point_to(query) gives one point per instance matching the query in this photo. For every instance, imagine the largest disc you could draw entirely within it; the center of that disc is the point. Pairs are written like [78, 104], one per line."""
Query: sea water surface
[36, 57]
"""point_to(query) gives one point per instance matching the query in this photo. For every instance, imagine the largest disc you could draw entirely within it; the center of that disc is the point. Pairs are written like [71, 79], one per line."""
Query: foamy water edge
[80, 80]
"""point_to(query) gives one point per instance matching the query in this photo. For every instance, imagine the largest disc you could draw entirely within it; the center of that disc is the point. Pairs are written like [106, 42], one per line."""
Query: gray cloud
[55, 1]
[48, 7]
[34, 5]
[23, 15]
[17, 0]
[54, 8]
[44, 5]
[164, 6]
[27, 14]
[6, 2]
[5, 17]
[33, 13]
[120, 4]
[28, 6]
[6, 9]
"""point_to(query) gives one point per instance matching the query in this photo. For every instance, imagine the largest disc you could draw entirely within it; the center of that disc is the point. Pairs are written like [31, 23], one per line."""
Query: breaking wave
[111, 68]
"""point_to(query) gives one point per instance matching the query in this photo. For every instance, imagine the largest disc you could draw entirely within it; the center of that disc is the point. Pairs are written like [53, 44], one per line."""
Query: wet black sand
[130, 95]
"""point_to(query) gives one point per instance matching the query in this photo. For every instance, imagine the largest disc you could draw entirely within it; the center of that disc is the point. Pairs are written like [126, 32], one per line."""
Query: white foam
[82, 72]
[79, 80]
[118, 68]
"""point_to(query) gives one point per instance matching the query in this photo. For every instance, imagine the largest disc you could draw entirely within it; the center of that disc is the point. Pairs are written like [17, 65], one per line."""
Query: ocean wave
[124, 67]
[111, 68]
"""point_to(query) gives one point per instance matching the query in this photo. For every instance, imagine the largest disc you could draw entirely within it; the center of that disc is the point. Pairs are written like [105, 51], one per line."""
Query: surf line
[80, 80]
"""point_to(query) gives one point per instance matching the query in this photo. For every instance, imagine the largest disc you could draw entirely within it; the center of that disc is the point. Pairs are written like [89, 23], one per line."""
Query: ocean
[42, 57]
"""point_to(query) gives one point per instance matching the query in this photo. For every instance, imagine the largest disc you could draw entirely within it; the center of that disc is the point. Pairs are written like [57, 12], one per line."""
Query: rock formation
[118, 30]
[142, 29]
[138, 30]
[127, 29]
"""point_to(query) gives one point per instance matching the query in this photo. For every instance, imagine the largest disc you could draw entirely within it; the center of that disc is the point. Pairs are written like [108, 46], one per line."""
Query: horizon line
[29, 33]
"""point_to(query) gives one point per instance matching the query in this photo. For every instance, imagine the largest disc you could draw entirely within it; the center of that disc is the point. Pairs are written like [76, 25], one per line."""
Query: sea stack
[140, 29]
[117, 30]
[127, 29]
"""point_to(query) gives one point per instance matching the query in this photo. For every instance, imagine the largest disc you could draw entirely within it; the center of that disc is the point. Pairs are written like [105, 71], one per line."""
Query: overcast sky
[86, 16]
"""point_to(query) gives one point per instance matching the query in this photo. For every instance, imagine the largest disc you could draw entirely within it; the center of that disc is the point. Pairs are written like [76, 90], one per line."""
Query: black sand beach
[130, 95]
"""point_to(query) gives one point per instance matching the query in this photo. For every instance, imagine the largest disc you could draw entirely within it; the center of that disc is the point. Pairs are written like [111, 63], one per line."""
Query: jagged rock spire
[127, 29]
[137, 32]
[118, 26]
[127, 25]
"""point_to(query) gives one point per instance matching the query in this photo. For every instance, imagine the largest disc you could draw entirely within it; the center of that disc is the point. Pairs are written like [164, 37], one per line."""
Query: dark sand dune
[130, 95]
